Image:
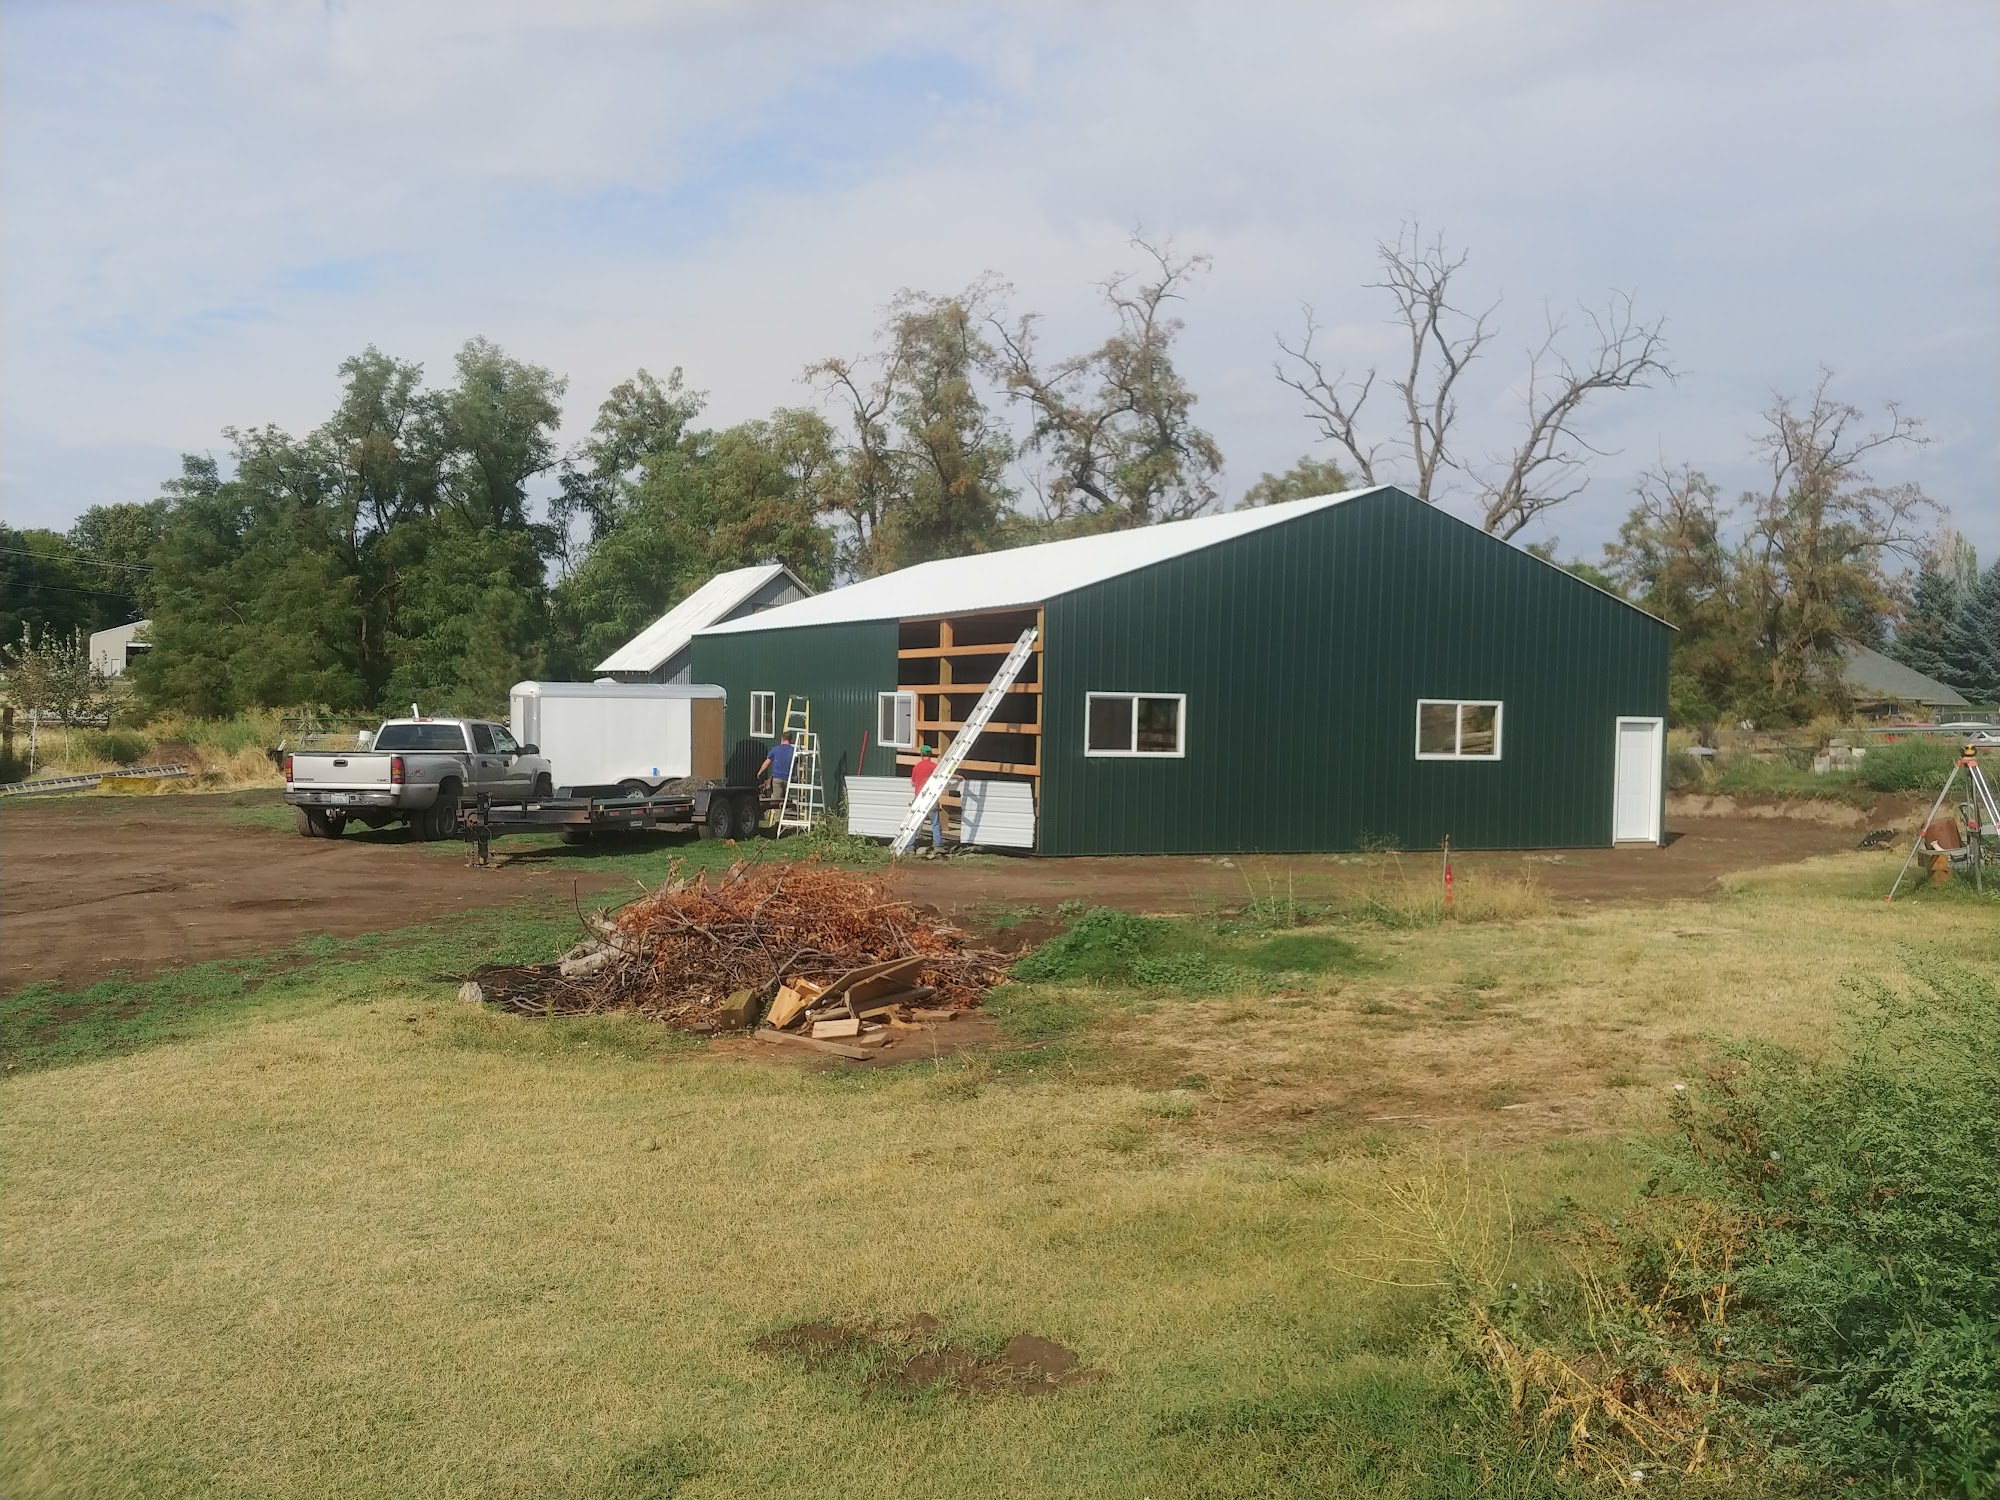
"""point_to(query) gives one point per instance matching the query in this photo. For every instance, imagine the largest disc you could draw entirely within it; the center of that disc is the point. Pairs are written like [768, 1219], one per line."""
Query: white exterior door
[1640, 780]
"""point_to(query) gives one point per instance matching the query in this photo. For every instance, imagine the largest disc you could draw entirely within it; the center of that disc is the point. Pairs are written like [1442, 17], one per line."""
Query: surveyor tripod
[1983, 814]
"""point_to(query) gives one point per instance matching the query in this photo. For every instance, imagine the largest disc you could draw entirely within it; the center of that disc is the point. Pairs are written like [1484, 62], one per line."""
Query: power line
[95, 562]
[70, 588]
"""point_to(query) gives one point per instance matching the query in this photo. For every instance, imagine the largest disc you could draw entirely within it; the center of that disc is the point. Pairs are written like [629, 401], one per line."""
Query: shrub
[1102, 944]
[1908, 765]
[1811, 1275]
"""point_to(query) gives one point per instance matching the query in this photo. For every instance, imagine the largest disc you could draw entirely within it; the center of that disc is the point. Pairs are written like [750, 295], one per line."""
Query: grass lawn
[340, 1235]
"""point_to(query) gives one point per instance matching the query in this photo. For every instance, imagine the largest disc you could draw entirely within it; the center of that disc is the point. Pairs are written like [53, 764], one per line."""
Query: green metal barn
[1356, 670]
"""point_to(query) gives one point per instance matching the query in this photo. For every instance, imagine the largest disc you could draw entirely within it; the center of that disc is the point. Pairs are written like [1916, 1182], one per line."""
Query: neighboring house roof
[1022, 576]
[1870, 673]
[713, 602]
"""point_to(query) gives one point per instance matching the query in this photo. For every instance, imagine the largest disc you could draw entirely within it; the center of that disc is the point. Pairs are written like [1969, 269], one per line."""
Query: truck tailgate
[340, 768]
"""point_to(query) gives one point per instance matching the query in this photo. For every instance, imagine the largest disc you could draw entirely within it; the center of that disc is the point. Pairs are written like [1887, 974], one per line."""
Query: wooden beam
[912, 653]
[995, 727]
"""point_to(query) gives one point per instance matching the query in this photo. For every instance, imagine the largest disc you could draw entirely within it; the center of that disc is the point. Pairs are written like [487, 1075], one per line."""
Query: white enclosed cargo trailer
[635, 735]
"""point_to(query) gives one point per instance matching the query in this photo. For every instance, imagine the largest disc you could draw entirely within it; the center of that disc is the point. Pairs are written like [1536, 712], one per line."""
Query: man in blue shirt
[778, 766]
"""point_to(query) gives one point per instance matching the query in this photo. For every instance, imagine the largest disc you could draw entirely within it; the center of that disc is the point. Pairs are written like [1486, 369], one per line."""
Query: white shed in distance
[660, 652]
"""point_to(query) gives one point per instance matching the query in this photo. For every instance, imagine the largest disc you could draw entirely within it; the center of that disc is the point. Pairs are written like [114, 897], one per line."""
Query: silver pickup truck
[414, 771]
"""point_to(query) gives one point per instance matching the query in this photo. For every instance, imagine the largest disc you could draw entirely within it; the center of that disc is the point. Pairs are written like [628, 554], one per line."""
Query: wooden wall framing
[948, 661]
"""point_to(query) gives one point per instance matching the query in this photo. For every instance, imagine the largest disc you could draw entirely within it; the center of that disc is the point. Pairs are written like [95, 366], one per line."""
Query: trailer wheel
[748, 815]
[631, 786]
[573, 835]
[721, 820]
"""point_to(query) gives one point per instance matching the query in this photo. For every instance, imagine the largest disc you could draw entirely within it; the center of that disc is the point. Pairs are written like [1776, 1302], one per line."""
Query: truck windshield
[420, 737]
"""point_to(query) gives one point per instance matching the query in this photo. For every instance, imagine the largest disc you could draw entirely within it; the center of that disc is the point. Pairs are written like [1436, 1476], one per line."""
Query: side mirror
[530, 750]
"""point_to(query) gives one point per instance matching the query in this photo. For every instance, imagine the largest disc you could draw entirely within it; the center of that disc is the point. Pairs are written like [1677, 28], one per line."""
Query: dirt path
[97, 885]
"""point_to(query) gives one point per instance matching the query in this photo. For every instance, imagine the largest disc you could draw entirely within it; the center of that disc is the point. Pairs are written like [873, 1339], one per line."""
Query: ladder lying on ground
[802, 805]
[926, 801]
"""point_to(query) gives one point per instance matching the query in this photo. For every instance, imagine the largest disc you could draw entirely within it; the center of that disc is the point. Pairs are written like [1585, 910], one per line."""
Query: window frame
[1179, 752]
[1499, 707]
[768, 701]
[915, 738]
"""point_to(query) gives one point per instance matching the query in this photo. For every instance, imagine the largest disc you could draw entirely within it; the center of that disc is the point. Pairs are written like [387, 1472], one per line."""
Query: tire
[721, 820]
[317, 823]
[545, 787]
[748, 816]
[633, 787]
[440, 819]
[573, 835]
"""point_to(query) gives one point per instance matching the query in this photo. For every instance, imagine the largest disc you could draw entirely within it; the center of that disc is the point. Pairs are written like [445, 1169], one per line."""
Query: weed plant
[1809, 1287]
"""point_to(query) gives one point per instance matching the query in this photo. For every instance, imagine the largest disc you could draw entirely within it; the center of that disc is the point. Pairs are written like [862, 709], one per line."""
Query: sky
[204, 208]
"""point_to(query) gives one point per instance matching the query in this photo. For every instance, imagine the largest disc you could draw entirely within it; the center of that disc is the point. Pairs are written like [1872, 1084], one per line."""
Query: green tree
[1814, 570]
[1302, 481]
[642, 419]
[1115, 425]
[927, 463]
[113, 547]
[710, 501]
[1970, 652]
[361, 559]
[1670, 558]
[41, 587]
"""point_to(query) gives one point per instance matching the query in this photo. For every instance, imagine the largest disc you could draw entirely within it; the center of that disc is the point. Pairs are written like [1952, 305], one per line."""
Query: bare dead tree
[1548, 466]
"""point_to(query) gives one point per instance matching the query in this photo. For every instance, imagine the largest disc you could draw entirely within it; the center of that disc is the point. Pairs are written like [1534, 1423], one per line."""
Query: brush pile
[710, 955]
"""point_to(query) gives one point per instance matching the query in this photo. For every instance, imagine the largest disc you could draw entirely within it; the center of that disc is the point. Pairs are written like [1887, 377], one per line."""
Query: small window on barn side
[1135, 724]
[896, 720]
[763, 716]
[1448, 729]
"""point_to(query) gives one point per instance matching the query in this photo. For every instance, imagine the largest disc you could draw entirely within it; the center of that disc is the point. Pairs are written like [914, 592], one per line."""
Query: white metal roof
[660, 641]
[1022, 575]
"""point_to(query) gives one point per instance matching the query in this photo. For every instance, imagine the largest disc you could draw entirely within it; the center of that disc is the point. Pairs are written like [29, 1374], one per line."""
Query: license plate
[340, 796]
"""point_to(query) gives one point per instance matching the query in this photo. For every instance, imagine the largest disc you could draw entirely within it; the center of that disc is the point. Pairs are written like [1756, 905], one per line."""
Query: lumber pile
[825, 956]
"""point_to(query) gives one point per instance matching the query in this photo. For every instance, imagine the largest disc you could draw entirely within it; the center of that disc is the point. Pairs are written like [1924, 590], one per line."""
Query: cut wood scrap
[875, 1005]
[735, 1012]
[874, 1039]
[789, 1005]
[933, 1015]
[837, 1049]
[839, 1026]
[893, 970]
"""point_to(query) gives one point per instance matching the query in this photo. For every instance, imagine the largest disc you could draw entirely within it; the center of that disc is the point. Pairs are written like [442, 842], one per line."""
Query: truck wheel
[312, 823]
[440, 819]
[545, 787]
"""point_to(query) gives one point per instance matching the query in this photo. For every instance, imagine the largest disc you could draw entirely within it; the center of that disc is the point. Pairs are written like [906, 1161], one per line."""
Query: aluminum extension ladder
[802, 805]
[926, 801]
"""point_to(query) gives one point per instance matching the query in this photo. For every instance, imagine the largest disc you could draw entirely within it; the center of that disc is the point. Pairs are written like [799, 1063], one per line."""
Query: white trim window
[763, 716]
[1456, 729]
[896, 720]
[1135, 724]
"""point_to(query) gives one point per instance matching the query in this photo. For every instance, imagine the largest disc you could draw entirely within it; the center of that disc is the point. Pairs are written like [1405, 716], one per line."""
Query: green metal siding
[839, 667]
[1303, 650]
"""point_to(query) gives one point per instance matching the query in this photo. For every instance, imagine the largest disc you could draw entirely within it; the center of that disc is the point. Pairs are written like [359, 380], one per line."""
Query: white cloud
[206, 209]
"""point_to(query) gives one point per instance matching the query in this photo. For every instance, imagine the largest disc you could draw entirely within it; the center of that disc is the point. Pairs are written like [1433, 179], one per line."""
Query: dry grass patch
[1545, 1025]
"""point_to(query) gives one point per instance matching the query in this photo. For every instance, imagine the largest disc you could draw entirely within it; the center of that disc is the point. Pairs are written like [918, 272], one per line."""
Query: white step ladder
[926, 801]
[802, 805]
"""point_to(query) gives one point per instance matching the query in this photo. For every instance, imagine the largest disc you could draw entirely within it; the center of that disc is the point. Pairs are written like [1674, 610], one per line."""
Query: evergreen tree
[1934, 607]
[1970, 659]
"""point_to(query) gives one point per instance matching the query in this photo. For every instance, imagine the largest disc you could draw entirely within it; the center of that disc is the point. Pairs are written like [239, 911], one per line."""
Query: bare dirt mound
[914, 1356]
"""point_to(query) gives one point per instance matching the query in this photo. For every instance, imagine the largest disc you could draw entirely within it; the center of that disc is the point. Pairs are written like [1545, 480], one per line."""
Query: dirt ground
[98, 885]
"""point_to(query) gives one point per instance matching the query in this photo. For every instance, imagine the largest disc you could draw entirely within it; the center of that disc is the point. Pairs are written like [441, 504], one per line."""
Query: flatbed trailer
[576, 813]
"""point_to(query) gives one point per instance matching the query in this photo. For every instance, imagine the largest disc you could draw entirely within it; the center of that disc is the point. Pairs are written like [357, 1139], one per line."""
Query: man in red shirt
[919, 774]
